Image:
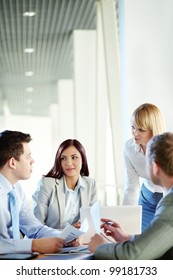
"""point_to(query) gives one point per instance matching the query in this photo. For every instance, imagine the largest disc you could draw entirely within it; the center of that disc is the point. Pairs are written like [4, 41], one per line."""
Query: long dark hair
[56, 170]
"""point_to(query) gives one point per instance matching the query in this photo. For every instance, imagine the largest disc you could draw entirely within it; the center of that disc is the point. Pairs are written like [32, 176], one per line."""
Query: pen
[108, 223]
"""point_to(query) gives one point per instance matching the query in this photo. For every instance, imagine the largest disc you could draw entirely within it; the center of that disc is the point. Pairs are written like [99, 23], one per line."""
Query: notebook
[128, 216]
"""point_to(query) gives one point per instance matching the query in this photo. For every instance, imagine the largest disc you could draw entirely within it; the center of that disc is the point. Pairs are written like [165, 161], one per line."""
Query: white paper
[72, 250]
[77, 249]
[70, 233]
[95, 214]
[92, 214]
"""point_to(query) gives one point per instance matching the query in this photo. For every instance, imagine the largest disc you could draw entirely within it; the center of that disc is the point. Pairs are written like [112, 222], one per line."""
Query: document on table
[82, 249]
[77, 249]
[70, 233]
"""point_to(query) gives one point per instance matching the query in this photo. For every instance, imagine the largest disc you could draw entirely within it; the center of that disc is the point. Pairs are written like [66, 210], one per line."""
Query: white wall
[146, 76]
[149, 57]
[84, 44]
[41, 145]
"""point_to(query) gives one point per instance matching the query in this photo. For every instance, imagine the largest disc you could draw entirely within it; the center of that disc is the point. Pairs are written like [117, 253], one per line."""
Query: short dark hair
[160, 150]
[56, 170]
[11, 145]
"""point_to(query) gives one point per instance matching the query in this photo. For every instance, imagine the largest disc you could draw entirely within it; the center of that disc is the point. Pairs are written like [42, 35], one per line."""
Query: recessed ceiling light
[29, 14]
[29, 73]
[28, 50]
[29, 89]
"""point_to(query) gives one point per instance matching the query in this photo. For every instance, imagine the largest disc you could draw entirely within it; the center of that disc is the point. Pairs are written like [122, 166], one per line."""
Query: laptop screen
[128, 216]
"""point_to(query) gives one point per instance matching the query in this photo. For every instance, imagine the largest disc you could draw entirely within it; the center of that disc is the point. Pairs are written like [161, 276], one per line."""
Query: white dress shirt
[135, 173]
[72, 204]
[28, 223]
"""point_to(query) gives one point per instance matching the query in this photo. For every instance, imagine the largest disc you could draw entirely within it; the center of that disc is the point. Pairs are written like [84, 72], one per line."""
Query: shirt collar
[5, 185]
[79, 184]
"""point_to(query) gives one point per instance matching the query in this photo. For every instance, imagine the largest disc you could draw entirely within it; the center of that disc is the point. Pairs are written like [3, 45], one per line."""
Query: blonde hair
[148, 116]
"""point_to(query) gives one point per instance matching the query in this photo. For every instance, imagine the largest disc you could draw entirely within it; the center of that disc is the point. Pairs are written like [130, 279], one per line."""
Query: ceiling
[49, 33]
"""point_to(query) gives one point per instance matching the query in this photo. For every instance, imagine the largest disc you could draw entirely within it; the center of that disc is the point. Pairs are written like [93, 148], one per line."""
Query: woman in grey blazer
[65, 188]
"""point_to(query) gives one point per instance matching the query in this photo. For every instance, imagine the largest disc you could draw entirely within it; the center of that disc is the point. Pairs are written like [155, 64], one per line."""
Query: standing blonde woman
[146, 122]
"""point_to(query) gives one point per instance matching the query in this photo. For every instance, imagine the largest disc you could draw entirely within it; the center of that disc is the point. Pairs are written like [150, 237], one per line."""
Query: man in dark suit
[156, 241]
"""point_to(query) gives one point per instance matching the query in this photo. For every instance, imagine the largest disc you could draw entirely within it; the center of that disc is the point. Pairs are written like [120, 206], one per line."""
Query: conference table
[70, 256]
[73, 256]
[69, 253]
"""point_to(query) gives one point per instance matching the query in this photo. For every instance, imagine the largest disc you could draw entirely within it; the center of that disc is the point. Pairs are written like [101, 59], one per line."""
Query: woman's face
[141, 136]
[71, 162]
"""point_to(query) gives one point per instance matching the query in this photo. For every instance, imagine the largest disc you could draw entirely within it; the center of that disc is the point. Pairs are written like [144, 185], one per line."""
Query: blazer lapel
[61, 198]
[83, 193]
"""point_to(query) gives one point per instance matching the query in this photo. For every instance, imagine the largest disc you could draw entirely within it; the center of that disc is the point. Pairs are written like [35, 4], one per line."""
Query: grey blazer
[156, 242]
[49, 199]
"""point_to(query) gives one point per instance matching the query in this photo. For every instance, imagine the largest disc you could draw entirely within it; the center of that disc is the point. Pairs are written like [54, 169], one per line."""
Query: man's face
[24, 165]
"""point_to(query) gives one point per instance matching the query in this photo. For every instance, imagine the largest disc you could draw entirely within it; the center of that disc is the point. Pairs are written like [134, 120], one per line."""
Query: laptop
[128, 216]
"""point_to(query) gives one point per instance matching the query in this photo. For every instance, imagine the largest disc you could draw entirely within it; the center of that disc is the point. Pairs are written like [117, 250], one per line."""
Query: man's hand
[114, 230]
[96, 241]
[47, 245]
[73, 243]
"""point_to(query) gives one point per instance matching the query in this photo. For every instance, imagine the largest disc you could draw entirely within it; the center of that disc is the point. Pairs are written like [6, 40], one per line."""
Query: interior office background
[126, 61]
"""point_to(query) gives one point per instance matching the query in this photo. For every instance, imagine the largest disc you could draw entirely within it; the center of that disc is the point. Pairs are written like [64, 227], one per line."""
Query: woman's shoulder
[47, 186]
[130, 145]
[88, 180]
[49, 181]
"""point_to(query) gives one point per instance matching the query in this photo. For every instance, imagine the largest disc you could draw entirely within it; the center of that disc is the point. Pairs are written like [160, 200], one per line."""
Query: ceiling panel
[49, 32]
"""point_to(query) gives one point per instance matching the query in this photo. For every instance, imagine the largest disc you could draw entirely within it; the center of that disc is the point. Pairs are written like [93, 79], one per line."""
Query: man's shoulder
[169, 196]
[166, 202]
